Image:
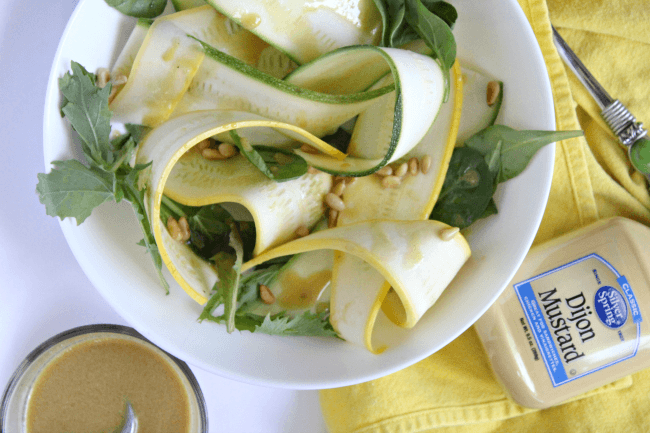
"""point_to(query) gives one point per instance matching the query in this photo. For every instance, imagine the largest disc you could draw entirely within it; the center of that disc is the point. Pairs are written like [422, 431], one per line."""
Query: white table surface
[43, 291]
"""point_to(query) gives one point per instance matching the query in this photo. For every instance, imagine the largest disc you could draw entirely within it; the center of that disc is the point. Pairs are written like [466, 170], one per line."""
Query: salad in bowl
[297, 170]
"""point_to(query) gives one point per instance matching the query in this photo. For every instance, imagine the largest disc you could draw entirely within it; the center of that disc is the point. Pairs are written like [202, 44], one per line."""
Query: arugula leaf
[516, 148]
[139, 8]
[138, 132]
[86, 107]
[306, 324]
[73, 190]
[249, 289]
[277, 164]
[229, 271]
[283, 164]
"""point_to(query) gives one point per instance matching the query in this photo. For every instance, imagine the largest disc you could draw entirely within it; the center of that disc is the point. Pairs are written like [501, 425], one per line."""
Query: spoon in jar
[130, 422]
[624, 125]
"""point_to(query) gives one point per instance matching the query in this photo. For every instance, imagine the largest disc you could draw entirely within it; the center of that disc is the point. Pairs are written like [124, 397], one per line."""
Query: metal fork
[624, 125]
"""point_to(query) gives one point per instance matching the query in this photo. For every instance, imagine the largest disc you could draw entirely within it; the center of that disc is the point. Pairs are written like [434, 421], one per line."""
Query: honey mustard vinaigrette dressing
[86, 387]
[302, 292]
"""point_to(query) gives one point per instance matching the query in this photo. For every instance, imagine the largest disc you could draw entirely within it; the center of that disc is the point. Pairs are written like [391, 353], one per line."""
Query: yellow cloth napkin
[454, 390]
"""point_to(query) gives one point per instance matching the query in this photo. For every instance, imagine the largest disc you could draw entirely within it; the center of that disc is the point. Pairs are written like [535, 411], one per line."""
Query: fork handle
[618, 118]
[597, 91]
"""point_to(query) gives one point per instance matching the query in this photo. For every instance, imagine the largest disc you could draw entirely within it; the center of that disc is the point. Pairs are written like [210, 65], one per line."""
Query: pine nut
[227, 150]
[339, 179]
[449, 233]
[401, 170]
[308, 149]
[203, 144]
[302, 231]
[425, 164]
[391, 181]
[266, 295]
[174, 229]
[312, 170]
[334, 201]
[414, 168]
[211, 154]
[339, 188]
[185, 229]
[386, 170]
[492, 92]
[350, 180]
[119, 79]
[103, 77]
[332, 216]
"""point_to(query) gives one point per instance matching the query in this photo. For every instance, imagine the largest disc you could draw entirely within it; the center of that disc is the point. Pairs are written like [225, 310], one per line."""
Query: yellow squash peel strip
[413, 257]
[414, 199]
[165, 146]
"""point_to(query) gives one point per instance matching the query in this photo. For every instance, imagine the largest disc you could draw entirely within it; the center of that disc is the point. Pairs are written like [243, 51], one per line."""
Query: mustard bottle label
[581, 317]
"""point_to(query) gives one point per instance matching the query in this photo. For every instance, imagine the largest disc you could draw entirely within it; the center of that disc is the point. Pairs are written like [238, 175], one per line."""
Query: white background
[43, 291]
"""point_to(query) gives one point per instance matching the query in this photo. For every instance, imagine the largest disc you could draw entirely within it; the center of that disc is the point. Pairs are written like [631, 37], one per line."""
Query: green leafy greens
[73, 189]
[430, 20]
[276, 164]
[493, 155]
[247, 298]
[139, 8]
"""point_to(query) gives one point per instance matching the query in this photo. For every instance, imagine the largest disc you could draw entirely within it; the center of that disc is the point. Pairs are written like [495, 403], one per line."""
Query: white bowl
[492, 35]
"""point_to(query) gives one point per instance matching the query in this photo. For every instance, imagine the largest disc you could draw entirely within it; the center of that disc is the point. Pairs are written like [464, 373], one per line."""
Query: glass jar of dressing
[81, 379]
[576, 315]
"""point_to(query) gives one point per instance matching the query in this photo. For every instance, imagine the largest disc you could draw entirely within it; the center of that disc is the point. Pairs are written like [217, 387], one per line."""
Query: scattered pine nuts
[401, 170]
[308, 149]
[103, 77]
[414, 168]
[391, 181]
[334, 202]
[425, 164]
[332, 216]
[211, 154]
[184, 225]
[227, 150]
[448, 234]
[339, 188]
[386, 170]
[492, 93]
[266, 295]
[174, 229]
[302, 231]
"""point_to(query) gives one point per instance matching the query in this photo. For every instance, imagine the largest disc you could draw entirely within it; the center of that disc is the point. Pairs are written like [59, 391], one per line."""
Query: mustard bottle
[575, 316]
